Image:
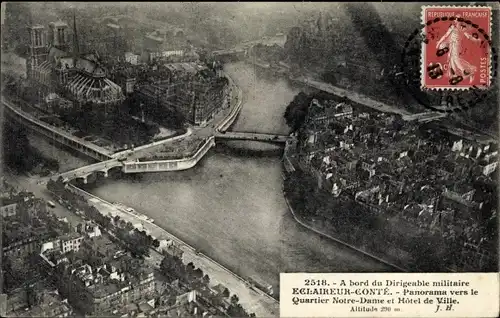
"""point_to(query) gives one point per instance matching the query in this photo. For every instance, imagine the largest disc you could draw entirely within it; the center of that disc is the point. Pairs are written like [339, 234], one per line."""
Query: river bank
[313, 81]
[315, 228]
[253, 301]
[202, 139]
[316, 225]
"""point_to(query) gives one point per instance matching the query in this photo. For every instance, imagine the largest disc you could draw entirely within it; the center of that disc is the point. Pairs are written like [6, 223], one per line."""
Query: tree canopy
[296, 111]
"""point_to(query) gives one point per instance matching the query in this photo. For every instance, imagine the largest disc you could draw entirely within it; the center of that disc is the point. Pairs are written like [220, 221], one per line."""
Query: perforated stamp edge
[423, 20]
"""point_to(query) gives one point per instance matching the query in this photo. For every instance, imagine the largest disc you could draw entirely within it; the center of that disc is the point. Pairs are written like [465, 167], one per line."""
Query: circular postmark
[447, 98]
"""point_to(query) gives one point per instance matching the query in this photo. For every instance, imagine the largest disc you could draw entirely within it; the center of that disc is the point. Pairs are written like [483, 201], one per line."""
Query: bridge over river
[128, 165]
[102, 167]
[254, 136]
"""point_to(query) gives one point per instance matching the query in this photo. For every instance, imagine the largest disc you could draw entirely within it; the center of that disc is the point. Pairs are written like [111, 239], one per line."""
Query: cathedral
[55, 65]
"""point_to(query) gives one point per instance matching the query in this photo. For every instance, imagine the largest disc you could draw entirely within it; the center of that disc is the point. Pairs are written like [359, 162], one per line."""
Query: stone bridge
[243, 50]
[84, 172]
[127, 165]
[253, 136]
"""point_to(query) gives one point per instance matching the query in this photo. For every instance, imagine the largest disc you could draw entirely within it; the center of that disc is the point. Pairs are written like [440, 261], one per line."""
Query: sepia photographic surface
[249, 159]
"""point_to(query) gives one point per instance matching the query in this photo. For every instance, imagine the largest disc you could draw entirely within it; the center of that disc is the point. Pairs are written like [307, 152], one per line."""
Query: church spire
[76, 49]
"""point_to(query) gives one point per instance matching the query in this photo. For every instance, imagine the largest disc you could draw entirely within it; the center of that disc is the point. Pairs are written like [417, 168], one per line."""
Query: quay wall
[231, 117]
[288, 168]
[180, 243]
[172, 164]
[55, 134]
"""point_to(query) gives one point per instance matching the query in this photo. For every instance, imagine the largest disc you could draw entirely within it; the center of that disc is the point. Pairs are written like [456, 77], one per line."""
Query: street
[33, 184]
[356, 97]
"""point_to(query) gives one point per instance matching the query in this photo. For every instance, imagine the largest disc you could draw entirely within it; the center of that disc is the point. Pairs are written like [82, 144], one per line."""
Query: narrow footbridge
[425, 117]
[230, 55]
[84, 172]
[253, 136]
[229, 52]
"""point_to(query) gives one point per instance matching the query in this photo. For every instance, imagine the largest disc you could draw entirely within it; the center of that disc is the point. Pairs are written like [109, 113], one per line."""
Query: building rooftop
[115, 275]
[462, 187]
[8, 201]
[70, 236]
[52, 304]
[55, 256]
[145, 307]
[58, 24]
[16, 232]
[457, 198]
[104, 246]
[104, 289]
[190, 67]
[90, 83]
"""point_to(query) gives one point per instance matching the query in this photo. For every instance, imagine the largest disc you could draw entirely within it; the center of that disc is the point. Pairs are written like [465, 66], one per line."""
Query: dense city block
[98, 267]
[394, 188]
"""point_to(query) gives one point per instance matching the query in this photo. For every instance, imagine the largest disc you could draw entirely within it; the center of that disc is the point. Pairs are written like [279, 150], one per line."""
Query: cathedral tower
[59, 36]
[37, 48]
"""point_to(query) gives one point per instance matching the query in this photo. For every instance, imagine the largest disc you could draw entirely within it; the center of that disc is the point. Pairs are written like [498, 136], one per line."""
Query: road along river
[231, 207]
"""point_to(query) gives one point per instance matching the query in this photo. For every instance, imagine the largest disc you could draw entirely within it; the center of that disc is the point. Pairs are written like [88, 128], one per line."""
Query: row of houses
[195, 90]
[391, 165]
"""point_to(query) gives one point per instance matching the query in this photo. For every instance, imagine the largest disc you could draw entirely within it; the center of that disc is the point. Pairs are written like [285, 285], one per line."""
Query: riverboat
[261, 285]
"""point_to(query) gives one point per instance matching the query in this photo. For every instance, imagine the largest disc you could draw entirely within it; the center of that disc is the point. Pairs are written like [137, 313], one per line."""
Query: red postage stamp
[456, 52]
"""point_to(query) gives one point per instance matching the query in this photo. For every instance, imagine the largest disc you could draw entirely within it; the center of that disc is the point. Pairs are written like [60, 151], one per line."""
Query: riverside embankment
[288, 167]
[252, 300]
[315, 229]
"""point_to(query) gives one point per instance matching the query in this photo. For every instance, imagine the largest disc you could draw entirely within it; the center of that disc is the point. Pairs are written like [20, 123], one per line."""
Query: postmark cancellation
[456, 53]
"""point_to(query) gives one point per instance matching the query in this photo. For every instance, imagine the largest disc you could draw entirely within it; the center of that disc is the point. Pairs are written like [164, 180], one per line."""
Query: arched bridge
[84, 172]
[253, 136]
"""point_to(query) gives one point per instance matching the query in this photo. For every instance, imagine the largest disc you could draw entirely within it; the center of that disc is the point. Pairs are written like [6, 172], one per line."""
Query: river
[231, 207]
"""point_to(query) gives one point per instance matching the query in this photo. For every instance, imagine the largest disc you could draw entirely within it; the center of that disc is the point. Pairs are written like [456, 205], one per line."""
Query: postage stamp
[456, 53]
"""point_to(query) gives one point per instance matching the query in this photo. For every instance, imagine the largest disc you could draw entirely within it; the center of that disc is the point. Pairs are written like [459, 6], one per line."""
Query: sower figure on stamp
[458, 67]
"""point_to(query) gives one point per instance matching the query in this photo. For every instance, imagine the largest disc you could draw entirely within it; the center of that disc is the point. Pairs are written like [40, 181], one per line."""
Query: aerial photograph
[171, 159]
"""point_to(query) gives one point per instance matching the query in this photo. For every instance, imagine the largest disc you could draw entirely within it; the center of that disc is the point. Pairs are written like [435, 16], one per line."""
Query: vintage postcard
[249, 159]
